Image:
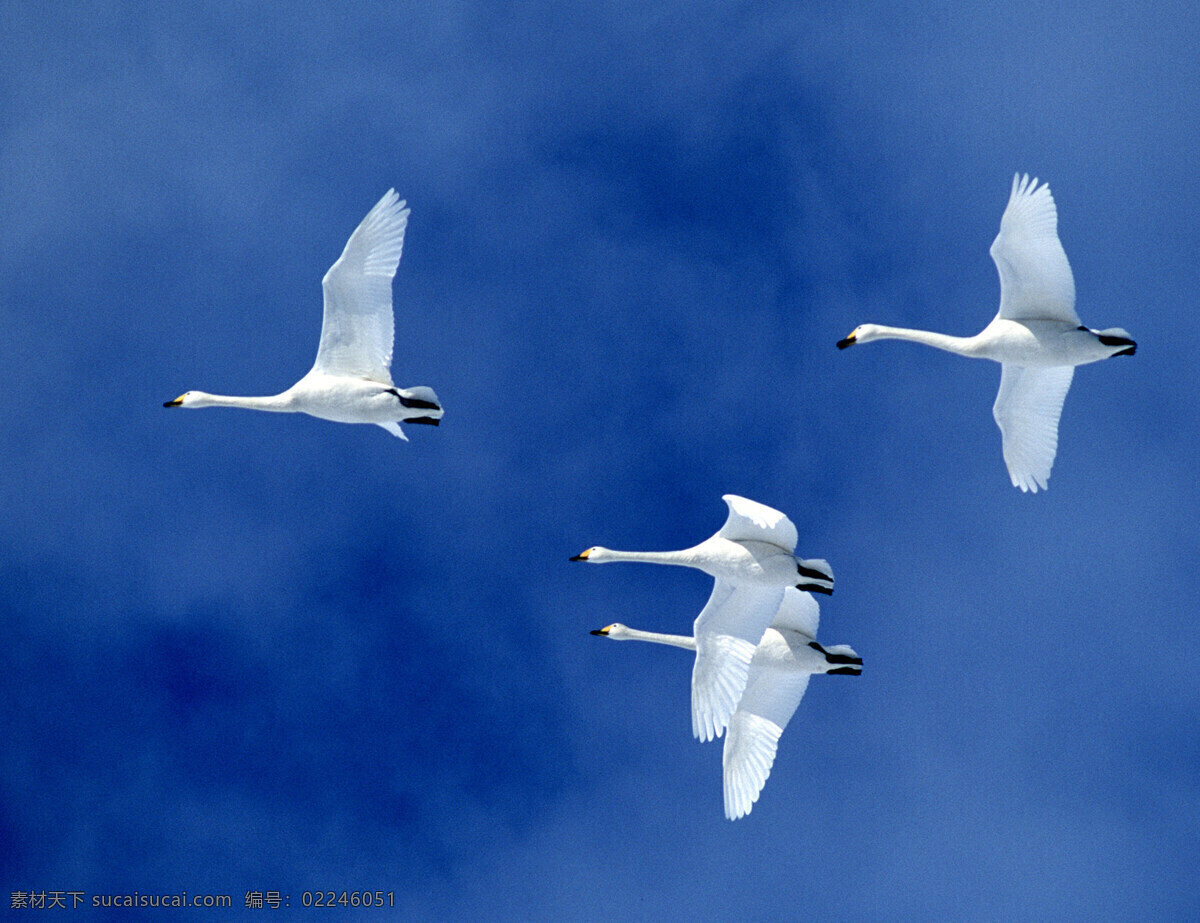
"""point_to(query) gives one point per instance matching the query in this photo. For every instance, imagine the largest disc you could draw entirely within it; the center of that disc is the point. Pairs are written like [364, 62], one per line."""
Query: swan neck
[681, 558]
[963, 346]
[686, 642]
[276, 402]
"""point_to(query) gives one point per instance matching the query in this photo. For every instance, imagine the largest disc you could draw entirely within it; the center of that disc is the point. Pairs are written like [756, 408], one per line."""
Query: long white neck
[280, 403]
[683, 558]
[963, 346]
[632, 634]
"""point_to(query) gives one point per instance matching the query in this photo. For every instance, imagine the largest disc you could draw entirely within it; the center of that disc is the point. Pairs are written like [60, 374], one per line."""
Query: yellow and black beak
[175, 403]
[602, 631]
[849, 341]
[582, 556]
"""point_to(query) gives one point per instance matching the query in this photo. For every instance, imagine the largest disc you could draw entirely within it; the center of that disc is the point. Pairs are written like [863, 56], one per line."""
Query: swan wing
[1035, 277]
[357, 332]
[727, 631]
[771, 698]
[1027, 409]
[749, 521]
[799, 612]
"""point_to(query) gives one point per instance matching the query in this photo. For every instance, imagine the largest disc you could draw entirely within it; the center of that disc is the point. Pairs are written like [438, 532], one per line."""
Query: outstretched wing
[1027, 409]
[754, 522]
[770, 700]
[727, 631]
[798, 612]
[357, 332]
[1035, 277]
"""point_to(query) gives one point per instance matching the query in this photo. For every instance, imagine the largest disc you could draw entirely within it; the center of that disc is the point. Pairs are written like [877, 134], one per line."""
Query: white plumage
[351, 381]
[777, 677]
[1036, 335]
[751, 560]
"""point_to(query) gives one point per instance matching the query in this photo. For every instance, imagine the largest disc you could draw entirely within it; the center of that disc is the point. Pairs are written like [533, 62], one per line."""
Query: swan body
[1036, 335]
[1029, 344]
[351, 381]
[782, 663]
[752, 562]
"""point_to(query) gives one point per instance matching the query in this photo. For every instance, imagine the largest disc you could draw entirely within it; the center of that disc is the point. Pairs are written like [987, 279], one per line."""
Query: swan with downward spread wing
[752, 562]
[783, 661]
[1036, 336]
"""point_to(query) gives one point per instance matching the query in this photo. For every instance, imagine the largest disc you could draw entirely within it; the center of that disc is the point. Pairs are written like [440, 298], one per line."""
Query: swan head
[595, 555]
[863, 333]
[190, 399]
[616, 631]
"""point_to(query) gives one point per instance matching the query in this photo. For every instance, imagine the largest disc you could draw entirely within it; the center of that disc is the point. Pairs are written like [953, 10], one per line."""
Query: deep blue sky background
[250, 651]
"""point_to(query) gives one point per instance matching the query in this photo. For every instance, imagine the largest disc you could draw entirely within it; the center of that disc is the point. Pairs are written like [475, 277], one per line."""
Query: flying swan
[752, 562]
[351, 380]
[785, 658]
[1036, 336]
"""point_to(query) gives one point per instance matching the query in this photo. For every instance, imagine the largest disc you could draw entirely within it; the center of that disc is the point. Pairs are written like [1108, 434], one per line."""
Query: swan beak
[601, 631]
[582, 556]
[175, 403]
[849, 341]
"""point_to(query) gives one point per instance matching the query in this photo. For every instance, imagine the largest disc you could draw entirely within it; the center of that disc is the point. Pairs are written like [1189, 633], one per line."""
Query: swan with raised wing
[783, 661]
[752, 562]
[1036, 336]
[351, 380]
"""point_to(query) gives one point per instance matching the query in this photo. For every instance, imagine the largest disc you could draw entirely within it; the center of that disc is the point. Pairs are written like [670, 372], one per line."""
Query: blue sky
[249, 651]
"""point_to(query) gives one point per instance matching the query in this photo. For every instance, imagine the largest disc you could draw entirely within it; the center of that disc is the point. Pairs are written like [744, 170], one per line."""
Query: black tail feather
[420, 405]
[810, 572]
[835, 658]
[413, 402]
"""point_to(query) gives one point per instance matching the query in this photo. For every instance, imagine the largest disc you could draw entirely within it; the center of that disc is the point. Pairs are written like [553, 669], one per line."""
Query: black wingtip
[428, 421]
[815, 588]
[846, 671]
[1127, 352]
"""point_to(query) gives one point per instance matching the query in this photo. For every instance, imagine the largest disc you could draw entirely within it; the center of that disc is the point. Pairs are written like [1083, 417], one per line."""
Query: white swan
[351, 380]
[785, 658]
[1036, 336]
[752, 561]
